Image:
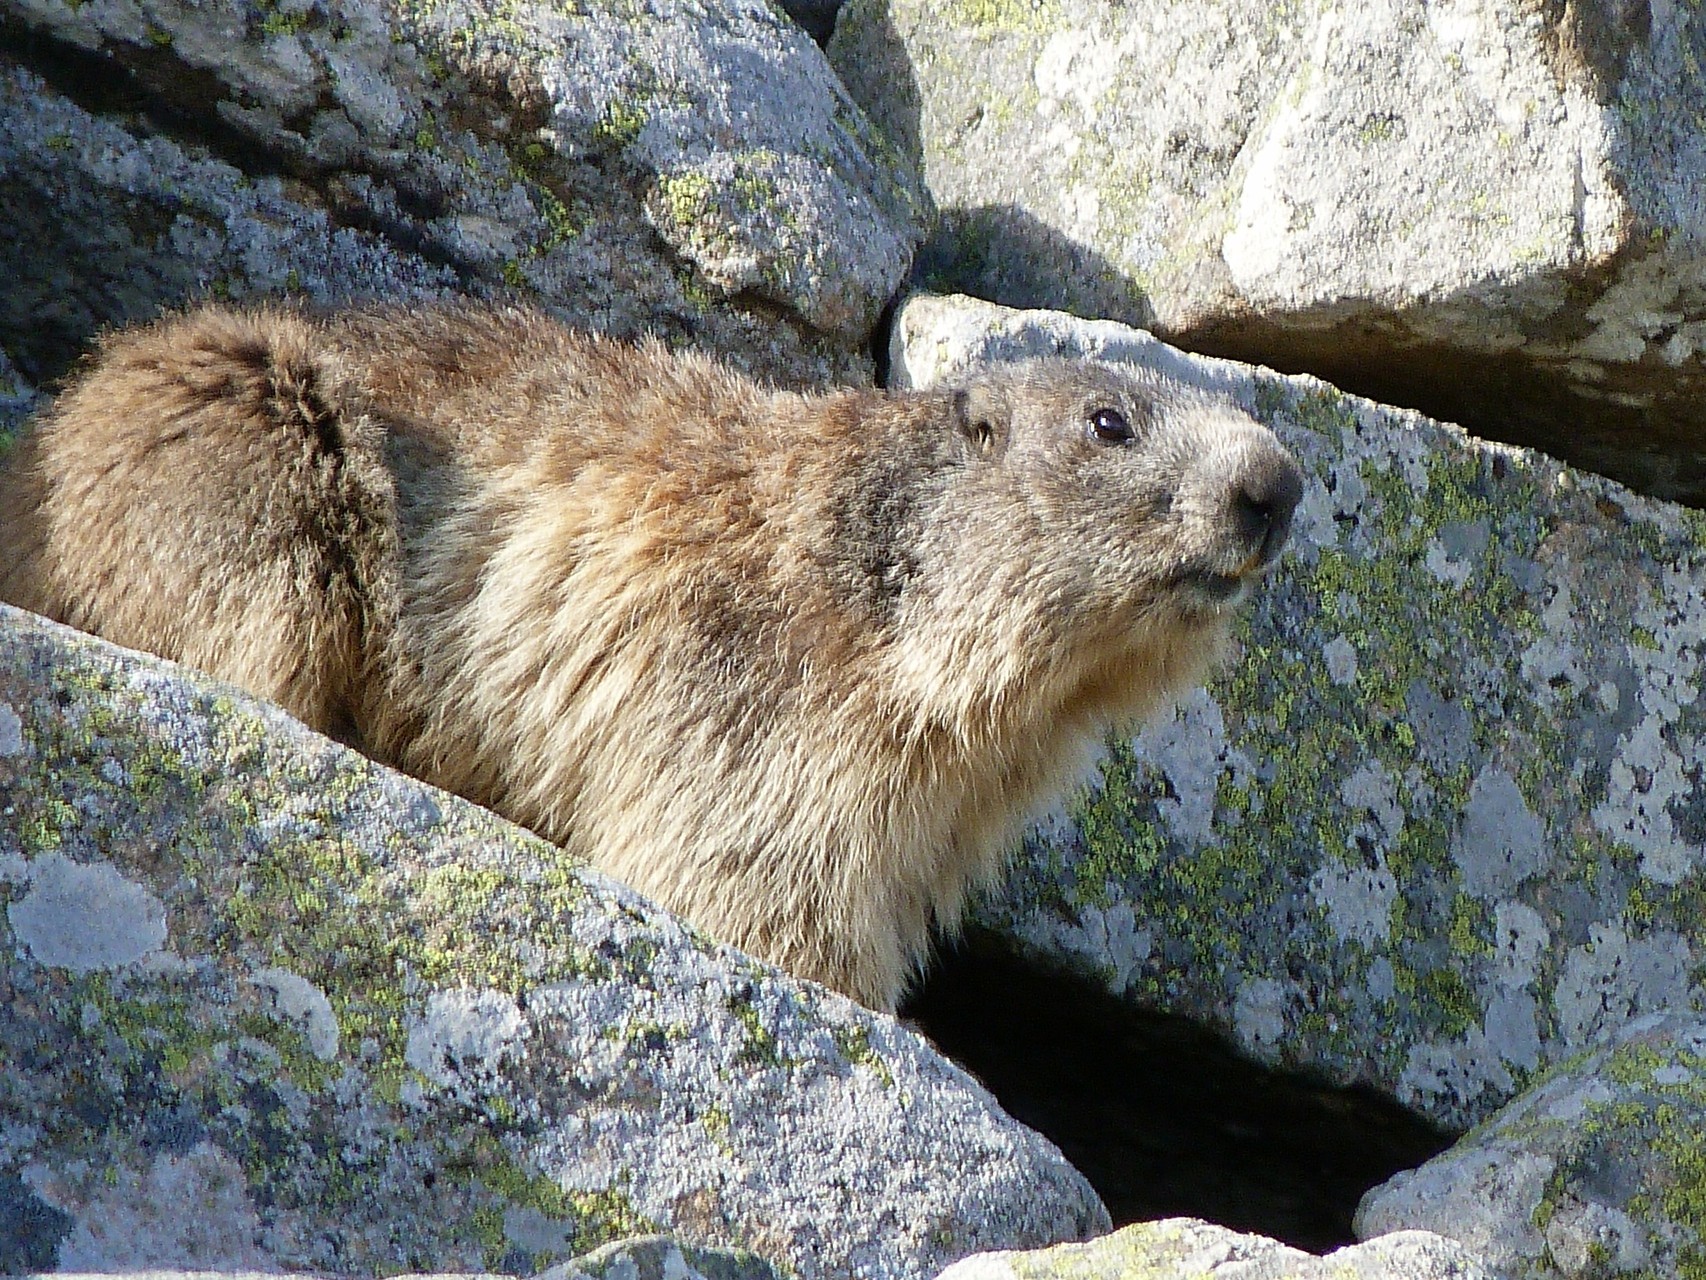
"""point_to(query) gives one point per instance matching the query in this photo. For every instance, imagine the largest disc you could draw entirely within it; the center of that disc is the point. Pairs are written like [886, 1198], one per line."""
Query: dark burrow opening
[1162, 1116]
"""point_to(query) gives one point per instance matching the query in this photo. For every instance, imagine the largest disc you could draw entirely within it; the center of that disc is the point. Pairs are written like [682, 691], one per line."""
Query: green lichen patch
[855, 1045]
[1389, 812]
[266, 873]
[589, 1219]
[1026, 17]
[686, 198]
[761, 1048]
[623, 120]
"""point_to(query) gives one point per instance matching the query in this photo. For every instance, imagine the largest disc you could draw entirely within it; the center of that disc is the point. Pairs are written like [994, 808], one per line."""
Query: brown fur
[797, 667]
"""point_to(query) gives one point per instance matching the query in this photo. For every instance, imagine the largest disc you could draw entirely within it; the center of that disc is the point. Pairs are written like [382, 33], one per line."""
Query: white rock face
[1419, 150]
[1435, 826]
[1479, 208]
[1185, 1249]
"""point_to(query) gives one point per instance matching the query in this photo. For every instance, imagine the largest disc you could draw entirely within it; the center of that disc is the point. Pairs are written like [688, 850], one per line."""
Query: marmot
[798, 667]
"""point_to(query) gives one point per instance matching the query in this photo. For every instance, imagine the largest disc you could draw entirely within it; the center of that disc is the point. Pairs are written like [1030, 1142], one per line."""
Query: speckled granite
[1185, 1249]
[1440, 823]
[265, 1005]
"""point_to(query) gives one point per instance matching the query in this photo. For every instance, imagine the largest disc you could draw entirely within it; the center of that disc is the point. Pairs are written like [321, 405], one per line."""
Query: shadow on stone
[1002, 254]
[1162, 1116]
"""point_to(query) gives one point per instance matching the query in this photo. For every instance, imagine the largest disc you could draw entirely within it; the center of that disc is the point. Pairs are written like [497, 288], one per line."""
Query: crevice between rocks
[1162, 1116]
[1619, 426]
[104, 85]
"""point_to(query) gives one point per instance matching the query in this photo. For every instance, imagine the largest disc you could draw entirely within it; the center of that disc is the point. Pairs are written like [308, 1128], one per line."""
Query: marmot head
[1096, 535]
[1099, 506]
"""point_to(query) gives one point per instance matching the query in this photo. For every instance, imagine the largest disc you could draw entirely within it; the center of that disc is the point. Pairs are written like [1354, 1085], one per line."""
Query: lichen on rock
[1597, 1170]
[357, 1025]
[1433, 828]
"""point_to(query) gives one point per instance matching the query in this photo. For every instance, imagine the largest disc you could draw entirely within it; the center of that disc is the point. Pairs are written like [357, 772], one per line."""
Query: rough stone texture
[663, 167]
[265, 1005]
[1441, 822]
[1598, 1171]
[18, 399]
[1492, 209]
[1185, 1249]
[636, 1258]
[105, 227]
[660, 1258]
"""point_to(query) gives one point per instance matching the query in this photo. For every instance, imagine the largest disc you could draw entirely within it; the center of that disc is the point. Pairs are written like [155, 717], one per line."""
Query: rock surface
[701, 174]
[660, 1258]
[18, 400]
[1599, 1171]
[107, 226]
[1185, 1249]
[635, 1258]
[265, 1005]
[1440, 823]
[1490, 209]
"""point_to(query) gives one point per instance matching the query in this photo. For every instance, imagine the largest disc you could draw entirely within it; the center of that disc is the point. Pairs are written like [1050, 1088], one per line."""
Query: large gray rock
[105, 226]
[1185, 1249]
[664, 168]
[265, 1005]
[1599, 1171]
[18, 400]
[1492, 209]
[634, 1258]
[1440, 823]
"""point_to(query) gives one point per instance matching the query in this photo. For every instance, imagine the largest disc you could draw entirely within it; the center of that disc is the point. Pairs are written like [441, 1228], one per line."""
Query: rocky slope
[1437, 829]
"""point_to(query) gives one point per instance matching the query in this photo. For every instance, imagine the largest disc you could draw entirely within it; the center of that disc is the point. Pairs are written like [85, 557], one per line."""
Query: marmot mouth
[1211, 586]
[1210, 591]
[1220, 589]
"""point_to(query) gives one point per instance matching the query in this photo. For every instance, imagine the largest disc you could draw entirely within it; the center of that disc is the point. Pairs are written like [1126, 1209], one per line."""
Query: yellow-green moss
[1030, 17]
[621, 125]
[855, 1045]
[686, 196]
[761, 1049]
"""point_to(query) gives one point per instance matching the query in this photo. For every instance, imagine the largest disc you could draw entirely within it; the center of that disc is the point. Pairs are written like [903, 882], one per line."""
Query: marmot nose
[1265, 494]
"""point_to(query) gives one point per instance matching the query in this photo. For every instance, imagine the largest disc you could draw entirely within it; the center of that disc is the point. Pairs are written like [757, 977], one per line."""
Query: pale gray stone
[85, 917]
[523, 1061]
[1503, 843]
[305, 1004]
[1461, 864]
[1185, 1249]
[11, 732]
[1486, 208]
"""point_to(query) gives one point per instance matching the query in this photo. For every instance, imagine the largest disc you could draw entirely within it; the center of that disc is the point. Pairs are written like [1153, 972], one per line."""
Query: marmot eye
[1110, 426]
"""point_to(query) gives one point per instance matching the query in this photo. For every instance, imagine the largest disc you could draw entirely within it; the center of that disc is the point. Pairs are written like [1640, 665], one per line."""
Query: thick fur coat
[797, 667]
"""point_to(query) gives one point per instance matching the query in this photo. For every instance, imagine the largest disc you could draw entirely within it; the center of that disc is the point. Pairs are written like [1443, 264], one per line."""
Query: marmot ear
[981, 416]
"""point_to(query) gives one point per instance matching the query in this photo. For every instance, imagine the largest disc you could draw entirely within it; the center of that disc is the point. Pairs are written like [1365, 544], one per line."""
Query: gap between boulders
[1161, 1115]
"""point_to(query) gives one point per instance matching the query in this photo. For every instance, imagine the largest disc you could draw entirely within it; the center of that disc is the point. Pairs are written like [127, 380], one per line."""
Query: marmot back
[798, 667]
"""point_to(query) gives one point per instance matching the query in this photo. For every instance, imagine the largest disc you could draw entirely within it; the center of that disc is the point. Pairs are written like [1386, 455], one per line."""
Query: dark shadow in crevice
[135, 89]
[815, 17]
[1163, 1117]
